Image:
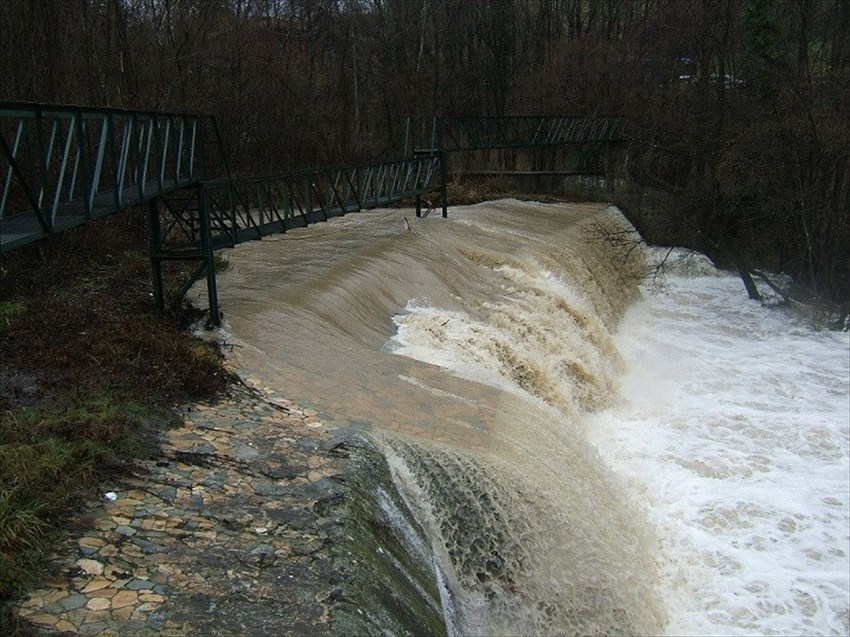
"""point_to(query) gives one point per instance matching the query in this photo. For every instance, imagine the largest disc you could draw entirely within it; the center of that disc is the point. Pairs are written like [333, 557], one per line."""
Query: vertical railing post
[63, 166]
[261, 202]
[208, 255]
[42, 172]
[288, 211]
[434, 133]
[358, 188]
[163, 142]
[192, 141]
[308, 205]
[141, 160]
[178, 161]
[154, 245]
[609, 172]
[116, 190]
[443, 170]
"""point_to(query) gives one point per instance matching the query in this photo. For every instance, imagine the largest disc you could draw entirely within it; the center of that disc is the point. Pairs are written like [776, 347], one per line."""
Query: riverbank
[237, 513]
[229, 531]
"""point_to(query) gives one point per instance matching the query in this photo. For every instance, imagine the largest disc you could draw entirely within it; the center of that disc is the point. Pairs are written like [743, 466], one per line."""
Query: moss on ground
[89, 373]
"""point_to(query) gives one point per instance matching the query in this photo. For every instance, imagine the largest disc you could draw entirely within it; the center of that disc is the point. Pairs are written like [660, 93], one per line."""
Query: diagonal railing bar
[457, 134]
[63, 166]
[253, 208]
[15, 170]
[182, 226]
[11, 153]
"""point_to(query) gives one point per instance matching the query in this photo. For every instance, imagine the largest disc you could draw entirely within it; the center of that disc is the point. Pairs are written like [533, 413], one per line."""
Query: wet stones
[209, 537]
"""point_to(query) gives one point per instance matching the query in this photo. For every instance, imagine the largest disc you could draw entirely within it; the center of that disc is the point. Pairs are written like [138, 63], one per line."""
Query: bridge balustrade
[459, 134]
[253, 208]
[63, 166]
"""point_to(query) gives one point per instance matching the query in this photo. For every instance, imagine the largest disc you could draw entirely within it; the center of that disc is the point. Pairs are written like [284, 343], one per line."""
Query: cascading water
[468, 350]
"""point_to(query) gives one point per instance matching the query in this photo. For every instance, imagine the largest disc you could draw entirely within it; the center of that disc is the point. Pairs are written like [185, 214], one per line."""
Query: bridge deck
[63, 166]
[25, 227]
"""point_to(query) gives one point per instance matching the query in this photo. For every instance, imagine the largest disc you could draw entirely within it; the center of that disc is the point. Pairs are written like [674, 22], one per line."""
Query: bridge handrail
[64, 165]
[461, 133]
[479, 133]
[250, 208]
[300, 172]
[64, 108]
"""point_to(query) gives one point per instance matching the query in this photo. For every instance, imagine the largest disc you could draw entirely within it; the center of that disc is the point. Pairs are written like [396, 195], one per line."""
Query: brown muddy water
[469, 350]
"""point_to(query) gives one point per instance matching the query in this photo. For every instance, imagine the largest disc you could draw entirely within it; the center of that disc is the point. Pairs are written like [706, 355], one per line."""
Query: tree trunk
[744, 271]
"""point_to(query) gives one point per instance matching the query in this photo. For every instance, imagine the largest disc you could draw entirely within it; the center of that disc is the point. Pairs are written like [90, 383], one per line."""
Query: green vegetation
[8, 310]
[89, 373]
[49, 457]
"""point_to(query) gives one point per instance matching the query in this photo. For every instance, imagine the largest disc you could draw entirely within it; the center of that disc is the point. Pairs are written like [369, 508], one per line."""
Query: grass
[8, 310]
[47, 454]
[89, 374]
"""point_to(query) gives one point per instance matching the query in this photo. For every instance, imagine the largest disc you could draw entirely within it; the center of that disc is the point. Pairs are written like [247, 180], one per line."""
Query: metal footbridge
[65, 166]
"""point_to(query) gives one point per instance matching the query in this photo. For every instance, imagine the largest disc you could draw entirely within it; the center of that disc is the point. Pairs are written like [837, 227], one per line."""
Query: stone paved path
[229, 532]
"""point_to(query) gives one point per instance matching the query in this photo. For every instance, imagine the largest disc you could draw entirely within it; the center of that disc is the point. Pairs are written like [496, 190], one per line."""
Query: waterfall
[468, 352]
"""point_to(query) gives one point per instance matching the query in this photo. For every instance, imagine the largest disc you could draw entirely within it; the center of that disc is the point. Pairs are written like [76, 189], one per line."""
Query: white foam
[733, 431]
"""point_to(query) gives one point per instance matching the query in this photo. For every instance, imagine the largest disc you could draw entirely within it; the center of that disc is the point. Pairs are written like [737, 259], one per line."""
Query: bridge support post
[208, 255]
[444, 157]
[444, 199]
[155, 243]
[609, 169]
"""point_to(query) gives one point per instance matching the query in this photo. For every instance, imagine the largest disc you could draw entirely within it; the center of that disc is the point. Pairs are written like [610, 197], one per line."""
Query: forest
[737, 111]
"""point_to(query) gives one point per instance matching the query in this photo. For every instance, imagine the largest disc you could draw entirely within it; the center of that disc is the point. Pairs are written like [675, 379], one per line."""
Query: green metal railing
[459, 134]
[253, 208]
[63, 166]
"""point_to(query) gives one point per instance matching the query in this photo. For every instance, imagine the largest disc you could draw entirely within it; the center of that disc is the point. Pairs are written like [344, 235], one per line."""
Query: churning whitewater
[479, 353]
[734, 428]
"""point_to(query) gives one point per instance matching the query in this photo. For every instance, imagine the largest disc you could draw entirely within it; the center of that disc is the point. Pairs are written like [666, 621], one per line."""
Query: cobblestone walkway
[228, 532]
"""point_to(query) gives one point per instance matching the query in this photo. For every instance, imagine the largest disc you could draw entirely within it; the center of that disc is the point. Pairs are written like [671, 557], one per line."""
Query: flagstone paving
[229, 531]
